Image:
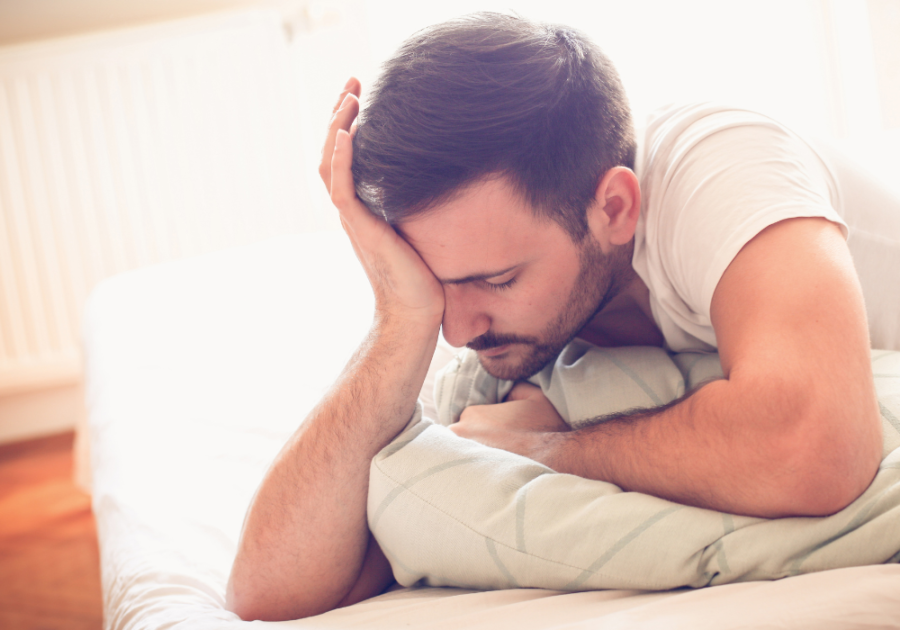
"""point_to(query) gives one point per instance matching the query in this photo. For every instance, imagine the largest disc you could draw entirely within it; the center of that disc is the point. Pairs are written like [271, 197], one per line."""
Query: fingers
[342, 120]
[344, 114]
[343, 190]
[523, 391]
[353, 86]
[341, 163]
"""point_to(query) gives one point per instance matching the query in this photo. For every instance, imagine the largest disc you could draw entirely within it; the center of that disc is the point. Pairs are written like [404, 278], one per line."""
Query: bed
[197, 373]
[198, 370]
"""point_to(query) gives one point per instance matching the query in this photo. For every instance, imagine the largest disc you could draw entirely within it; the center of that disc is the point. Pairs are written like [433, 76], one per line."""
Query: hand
[526, 424]
[405, 288]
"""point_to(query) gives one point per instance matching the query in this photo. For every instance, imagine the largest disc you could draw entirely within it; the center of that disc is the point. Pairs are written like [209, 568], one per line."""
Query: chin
[519, 363]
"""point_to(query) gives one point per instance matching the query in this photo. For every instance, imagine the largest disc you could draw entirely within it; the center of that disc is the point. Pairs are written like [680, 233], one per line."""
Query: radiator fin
[130, 148]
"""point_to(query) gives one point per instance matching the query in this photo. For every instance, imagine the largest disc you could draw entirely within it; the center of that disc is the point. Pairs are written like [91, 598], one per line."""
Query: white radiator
[128, 148]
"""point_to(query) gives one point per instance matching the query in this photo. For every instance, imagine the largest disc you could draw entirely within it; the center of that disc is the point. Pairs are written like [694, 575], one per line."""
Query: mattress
[199, 370]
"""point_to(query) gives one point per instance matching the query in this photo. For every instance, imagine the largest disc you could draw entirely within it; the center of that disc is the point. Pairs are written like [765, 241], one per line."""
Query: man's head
[492, 94]
[491, 144]
[516, 288]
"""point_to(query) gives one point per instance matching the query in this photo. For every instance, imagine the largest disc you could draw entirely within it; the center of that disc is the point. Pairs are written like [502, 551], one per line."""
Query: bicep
[791, 294]
[791, 329]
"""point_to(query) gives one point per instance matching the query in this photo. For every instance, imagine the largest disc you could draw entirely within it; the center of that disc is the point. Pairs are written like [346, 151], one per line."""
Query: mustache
[492, 340]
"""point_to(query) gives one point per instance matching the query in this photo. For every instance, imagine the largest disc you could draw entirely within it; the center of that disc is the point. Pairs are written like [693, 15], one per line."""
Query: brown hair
[492, 94]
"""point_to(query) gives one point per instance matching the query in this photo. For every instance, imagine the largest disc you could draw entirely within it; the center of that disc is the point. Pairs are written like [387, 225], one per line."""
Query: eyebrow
[476, 277]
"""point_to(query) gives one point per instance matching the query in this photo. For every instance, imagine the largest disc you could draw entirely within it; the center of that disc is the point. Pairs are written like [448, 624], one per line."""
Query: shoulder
[679, 139]
[706, 165]
[712, 177]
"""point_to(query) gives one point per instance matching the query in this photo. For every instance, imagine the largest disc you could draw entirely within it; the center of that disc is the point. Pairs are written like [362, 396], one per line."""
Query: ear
[613, 216]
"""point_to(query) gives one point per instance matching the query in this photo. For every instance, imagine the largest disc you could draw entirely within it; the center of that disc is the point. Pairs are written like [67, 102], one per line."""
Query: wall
[135, 146]
[30, 20]
[829, 67]
[884, 18]
[811, 63]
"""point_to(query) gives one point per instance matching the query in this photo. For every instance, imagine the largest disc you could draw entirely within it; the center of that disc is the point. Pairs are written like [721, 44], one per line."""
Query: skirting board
[40, 412]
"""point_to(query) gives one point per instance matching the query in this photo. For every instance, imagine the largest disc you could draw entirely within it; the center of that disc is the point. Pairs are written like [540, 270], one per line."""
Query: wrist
[412, 327]
[563, 455]
[401, 346]
[385, 376]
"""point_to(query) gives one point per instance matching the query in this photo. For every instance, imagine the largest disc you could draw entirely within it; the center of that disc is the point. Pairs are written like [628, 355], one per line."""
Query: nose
[464, 318]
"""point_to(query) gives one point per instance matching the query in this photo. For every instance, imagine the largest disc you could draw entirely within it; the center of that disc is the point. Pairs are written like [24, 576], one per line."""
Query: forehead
[486, 227]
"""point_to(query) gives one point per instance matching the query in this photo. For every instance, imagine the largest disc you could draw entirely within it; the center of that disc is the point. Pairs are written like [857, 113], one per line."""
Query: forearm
[305, 535]
[731, 446]
[304, 548]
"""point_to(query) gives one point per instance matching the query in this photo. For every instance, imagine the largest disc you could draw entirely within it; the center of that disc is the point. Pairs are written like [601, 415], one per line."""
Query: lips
[492, 353]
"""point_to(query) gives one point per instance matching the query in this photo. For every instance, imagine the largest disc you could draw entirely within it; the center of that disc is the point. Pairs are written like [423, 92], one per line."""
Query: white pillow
[451, 512]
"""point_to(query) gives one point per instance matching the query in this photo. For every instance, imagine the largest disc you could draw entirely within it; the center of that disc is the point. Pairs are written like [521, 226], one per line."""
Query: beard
[594, 286]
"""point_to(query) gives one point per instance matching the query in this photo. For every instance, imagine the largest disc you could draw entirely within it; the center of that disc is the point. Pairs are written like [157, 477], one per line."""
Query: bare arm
[793, 429]
[305, 547]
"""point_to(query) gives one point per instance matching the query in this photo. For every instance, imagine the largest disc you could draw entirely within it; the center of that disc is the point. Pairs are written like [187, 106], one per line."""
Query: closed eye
[500, 286]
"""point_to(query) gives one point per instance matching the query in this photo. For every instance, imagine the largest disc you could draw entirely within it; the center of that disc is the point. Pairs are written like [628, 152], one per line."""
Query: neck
[626, 319]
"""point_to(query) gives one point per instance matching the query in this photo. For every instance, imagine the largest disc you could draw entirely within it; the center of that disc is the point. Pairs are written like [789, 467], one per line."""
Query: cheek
[529, 308]
[550, 292]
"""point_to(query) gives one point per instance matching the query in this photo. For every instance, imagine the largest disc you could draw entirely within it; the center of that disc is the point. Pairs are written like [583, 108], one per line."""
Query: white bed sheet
[197, 372]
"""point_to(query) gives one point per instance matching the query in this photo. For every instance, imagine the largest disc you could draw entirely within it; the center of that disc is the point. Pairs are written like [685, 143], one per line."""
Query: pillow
[448, 511]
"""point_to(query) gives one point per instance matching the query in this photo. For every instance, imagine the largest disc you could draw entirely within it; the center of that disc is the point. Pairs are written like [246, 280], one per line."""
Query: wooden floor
[49, 563]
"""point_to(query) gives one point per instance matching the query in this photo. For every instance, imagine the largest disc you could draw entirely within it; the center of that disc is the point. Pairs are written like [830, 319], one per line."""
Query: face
[517, 288]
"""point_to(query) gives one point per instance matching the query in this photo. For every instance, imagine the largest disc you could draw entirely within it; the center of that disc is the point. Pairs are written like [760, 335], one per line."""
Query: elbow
[825, 496]
[251, 598]
[252, 604]
[257, 608]
[237, 601]
[829, 464]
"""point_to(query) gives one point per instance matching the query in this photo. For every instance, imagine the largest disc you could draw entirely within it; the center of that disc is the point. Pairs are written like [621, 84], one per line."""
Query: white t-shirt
[712, 178]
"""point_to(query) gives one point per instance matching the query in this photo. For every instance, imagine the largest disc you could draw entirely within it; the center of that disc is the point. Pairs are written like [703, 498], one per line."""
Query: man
[493, 194]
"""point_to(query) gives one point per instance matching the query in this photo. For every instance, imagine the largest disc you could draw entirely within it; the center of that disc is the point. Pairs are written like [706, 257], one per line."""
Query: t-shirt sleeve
[712, 187]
